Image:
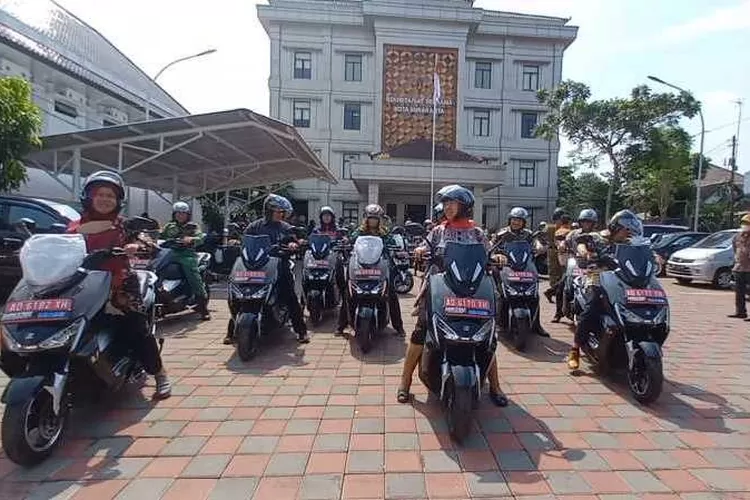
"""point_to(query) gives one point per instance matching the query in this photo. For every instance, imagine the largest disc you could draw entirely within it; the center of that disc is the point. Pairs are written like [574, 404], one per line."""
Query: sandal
[403, 396]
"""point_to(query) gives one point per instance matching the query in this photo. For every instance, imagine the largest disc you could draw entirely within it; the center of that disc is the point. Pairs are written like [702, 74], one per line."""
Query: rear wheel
[247, 340]
[646, 379]
[31, 430]
[459, 402]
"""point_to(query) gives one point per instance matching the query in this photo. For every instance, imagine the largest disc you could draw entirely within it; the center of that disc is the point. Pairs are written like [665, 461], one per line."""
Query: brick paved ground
[320, 422]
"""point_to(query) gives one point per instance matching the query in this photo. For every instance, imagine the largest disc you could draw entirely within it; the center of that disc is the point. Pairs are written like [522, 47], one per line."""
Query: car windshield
[667, 239]
[721, 239]
[64, 210]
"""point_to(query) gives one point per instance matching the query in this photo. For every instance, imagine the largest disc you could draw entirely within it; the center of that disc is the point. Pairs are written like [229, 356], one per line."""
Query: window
[302, 66]
[483, 75]
[43, 220]
[302, 114]
[346, 168]
[352, 116]
[66, 109]
[350, 212]
[527, 173]
[353, 68]
[528, 125]
[530, 80]
[482, 122]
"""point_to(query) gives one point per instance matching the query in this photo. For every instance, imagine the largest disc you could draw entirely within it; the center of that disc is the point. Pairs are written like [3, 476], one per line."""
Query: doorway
[417, 213]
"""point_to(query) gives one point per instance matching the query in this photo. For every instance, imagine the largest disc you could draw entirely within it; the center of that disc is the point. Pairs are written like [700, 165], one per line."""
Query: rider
[185, 256]
[558, 242]
[438, 213]
[328, 227]
[555, 270]
[276, 208]
[623, 226]
[372, 225]
[458, 227]
[102, 199]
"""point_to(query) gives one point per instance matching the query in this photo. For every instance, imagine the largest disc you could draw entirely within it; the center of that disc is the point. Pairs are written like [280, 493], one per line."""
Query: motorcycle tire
[247, 341]
[316, 314]
[364, 336]
[521, 334]
[459, 404]
[404, 286]
[646, 379]
[15, 435]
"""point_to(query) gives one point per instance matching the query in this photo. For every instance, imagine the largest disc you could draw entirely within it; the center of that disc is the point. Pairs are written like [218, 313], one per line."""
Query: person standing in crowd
[555, 270]
[741, 267]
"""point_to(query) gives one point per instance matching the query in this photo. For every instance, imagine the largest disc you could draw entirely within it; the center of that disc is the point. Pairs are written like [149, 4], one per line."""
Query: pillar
[478, 204]
[373, 193]
[76, 169]
[400, 212]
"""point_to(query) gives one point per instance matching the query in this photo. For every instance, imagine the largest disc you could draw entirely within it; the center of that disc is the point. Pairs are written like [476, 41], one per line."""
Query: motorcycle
[518, 284]
[253, 295]
[461, 339]
[635, 324]
[403, 280]
[368, 286]
[60, 341]
[319, 277]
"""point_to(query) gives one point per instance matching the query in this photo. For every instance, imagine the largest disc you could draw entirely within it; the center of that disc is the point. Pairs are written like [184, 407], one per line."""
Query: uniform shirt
[175, 230]
[279, 232]
[507, 235]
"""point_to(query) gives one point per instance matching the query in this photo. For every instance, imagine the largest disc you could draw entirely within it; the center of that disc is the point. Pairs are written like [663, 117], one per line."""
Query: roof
[421, 149]
[47, 31]
[195, 154]
[720, 175]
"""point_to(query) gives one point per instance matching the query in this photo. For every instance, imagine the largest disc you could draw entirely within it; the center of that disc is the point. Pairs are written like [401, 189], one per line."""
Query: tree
[20, 128]
[608, 128]
[658, 168]
[585, 190]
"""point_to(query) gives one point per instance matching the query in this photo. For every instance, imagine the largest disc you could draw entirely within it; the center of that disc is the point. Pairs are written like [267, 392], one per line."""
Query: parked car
[656, 231]
[709, 260]
[670, 243]
[41, 216]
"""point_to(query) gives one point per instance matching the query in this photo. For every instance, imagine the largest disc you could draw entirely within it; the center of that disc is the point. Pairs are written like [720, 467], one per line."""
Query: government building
[355, 77]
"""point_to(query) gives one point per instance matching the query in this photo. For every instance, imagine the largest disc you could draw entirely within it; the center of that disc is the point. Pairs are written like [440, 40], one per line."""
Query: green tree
[584, 190]
[608, 128]
[20, 128]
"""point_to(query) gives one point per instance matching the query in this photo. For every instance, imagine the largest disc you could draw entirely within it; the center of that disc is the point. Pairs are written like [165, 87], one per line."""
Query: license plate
[254, 276]
[37, 310]
[524, 276]
[370, 273]
[467, 307]
[320, 263]
[646, 296]
[139, 263]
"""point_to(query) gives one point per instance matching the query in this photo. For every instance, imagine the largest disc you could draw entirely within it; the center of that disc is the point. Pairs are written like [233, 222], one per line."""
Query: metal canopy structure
[187, 156]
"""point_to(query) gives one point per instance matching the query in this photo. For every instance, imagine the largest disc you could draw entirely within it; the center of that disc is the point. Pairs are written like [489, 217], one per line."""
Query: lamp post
[700, 153]
[167, 66]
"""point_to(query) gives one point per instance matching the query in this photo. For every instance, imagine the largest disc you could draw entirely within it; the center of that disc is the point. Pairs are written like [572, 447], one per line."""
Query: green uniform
[186, 257]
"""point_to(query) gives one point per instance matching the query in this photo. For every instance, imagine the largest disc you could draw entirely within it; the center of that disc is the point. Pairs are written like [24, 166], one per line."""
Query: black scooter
[461, 339]
[518, 283]
[319, 277]
[61, 342]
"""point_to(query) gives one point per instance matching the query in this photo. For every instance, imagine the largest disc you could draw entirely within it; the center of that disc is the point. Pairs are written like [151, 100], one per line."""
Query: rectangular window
[301, 114]
[527, 173]
[530, 77]
[346, 167]
[350, 212]
[483, 75]
[302, 66]
[528, 125]
[66, 109]
[352, 116]
[481, 122]
[353, 68]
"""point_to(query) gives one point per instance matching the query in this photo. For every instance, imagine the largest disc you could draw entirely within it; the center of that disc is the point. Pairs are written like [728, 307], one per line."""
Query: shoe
[202, 309]
[163, 386]
[499, 399]
[557, 318]
[303, 338]
[737, 315]
[574, 358]
[549, 293]
[228, 340]
[542, 332]
[339, 332]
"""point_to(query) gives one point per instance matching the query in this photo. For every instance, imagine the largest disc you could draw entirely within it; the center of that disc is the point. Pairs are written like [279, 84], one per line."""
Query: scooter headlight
[57, 340]
[444, 329]
[261, 292]
[628, 316]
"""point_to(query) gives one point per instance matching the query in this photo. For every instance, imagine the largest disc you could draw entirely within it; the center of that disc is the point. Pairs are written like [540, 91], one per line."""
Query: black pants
[590, 318]
[289, 297]
[559, 297]
[135, 326]
[347, 307]
[741, 279]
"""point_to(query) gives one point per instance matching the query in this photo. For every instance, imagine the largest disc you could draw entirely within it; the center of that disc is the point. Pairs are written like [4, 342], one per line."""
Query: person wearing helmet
[102, 198]
[276, 208]
[428, 225]
[328, 227]
[438, 214]
[741, 267]
[623, 227]
[555, 270]
[373, 225]
[458, 226]
[179, 229]
[562, 254]
[327, 219]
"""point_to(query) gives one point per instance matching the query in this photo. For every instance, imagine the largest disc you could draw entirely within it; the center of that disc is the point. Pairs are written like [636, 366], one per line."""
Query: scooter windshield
[47, 259]
[399, 241]
[255, 249]
[368, 249]
[635, 261]
[465, 263]
[319, 245]
[519, 253]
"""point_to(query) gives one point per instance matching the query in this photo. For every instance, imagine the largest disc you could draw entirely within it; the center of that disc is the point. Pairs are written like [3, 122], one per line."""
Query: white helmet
[180, 208]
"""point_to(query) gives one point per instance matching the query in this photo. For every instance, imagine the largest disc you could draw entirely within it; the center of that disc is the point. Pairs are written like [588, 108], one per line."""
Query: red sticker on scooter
[467, 307]
[37, 310]
[650, 296]
[249, 276]
[367, 272]
[524, 276]
[321, 264]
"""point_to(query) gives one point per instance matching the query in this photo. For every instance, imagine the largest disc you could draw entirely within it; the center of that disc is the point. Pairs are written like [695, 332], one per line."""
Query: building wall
[340, 28]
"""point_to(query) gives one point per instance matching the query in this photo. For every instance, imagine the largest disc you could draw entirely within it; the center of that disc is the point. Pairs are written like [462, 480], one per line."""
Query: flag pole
[434, 120]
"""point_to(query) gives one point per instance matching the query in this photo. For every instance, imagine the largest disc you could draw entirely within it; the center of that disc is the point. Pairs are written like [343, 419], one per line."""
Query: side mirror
[58, 228]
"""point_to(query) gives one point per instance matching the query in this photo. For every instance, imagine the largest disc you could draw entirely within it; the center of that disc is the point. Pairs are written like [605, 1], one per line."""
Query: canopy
[189, 155]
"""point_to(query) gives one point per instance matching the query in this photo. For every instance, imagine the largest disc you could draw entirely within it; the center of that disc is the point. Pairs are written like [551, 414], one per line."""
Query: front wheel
[459, 403]
[521, 333]
[723, 278]
[403, 282]
[646, 379]
[31, 430]
[246, 338]
[364, 334]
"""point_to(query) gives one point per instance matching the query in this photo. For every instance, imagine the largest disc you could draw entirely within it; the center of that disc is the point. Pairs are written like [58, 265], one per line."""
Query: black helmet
[275, 202]
[454, 192]
[398, 230]
[102, 178]
[558, 214]
[625, 219]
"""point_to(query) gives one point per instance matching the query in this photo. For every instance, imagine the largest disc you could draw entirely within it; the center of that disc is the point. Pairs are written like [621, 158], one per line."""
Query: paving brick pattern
[320, 422]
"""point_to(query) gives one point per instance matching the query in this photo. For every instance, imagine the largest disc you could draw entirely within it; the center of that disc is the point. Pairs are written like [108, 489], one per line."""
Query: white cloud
[721, 20]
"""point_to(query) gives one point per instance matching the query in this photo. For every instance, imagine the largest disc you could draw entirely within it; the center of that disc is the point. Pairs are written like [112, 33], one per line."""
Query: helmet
[180, 208]
[276, 202]
[625, 219]
[103, 177]
[327, 210]
[558, 214]
[454, 192]
[427, 222]
[745, 220]
[518, 213]
[374, 210]
[398, 230]
[438, 212]
[588, 214]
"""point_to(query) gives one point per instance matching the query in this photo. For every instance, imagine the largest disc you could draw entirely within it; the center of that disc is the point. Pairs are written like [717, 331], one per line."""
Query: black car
[40, 216]
[656, 231]
[670, 243]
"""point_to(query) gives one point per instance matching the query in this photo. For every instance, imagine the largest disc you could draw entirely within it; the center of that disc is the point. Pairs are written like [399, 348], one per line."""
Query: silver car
[709, 260]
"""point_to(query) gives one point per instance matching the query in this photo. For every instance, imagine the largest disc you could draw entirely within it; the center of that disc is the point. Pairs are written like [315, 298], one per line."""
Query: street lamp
[167, 66]
[700, 153]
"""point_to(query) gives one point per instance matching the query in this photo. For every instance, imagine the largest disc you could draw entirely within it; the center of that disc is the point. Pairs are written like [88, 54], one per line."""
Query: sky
[698, 45]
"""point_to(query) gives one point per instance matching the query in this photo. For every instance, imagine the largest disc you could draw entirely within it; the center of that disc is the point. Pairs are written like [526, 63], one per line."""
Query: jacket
[741, 245]
[506, 235]
[279, 232]
[174, 230]
[118, 266]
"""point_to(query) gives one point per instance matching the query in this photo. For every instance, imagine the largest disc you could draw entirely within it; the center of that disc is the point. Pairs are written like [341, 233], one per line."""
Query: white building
[80, 81]
[356, 77]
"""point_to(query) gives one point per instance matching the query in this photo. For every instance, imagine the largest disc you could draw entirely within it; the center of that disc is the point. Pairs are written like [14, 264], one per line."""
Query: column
[400, 211]
[373, 192]
[478, 204]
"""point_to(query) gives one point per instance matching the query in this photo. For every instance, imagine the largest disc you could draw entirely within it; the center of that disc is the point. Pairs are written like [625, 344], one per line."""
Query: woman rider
[458, 227]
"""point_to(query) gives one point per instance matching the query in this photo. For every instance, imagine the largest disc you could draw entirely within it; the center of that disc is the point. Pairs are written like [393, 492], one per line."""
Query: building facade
[356, 77]
[80, 81]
